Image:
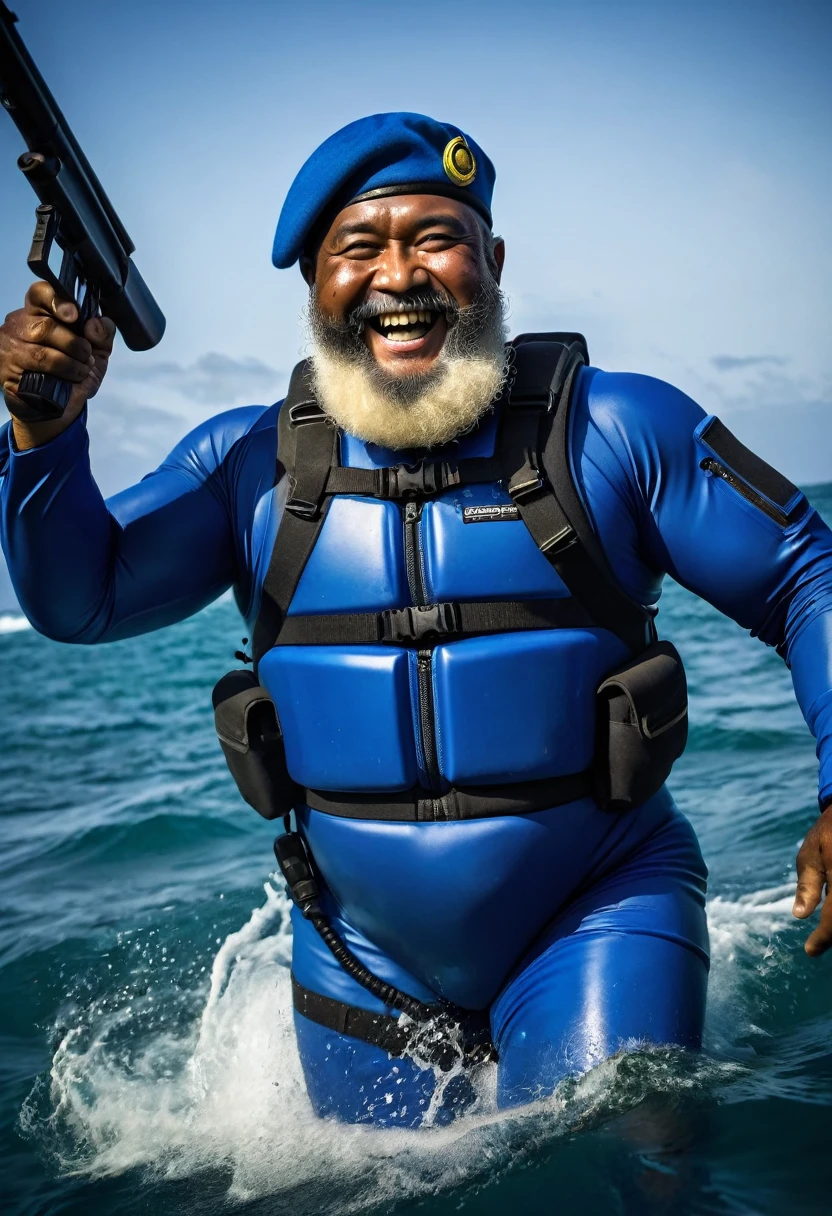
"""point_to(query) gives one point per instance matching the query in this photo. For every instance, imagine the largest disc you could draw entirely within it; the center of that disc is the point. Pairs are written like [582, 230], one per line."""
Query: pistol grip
[45, 397]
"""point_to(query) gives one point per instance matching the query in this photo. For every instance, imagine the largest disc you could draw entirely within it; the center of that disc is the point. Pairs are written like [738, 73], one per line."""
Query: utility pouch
[249, 734]
[642, 727]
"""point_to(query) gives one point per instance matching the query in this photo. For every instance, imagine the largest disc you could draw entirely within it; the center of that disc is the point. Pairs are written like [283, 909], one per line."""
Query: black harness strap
[474, 1044]
[534, 448]
[418, 481]
[307, 448]
[379, 1029]
[460, 802]
[432, 623]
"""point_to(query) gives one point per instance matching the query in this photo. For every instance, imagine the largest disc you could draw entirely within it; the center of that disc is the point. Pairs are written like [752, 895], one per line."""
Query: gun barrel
[85, 223]
[139, 318]
[36, 114]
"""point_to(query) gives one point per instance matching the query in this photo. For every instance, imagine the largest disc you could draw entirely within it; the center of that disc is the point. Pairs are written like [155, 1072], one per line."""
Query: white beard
[457, 392]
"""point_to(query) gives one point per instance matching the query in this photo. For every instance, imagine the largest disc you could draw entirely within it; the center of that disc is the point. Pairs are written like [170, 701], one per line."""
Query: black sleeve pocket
[249, 734]
[756, 481]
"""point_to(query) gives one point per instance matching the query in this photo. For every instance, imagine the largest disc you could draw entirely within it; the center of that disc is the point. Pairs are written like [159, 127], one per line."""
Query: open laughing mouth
[406, 324]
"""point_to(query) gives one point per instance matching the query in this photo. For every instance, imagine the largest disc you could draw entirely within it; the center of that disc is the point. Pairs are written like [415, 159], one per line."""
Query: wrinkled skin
[373, 251]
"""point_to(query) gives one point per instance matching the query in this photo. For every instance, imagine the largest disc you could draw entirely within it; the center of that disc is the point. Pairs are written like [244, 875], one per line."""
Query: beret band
[443, 188]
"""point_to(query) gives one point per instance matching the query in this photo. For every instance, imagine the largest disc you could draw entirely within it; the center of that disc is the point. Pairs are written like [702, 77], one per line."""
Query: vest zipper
[424, 658]
[750, 495]
[412, 552]
[427, 720]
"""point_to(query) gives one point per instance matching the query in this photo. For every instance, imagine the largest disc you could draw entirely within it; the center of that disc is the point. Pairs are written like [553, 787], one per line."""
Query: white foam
[746, 938]
[12, 623]
[230, 1092]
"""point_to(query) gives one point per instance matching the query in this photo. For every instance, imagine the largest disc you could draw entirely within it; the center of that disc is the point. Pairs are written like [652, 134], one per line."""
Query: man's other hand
[38, 338]
[814, 871]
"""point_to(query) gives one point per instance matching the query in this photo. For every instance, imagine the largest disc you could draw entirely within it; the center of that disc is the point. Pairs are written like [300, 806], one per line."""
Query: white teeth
[403, 322]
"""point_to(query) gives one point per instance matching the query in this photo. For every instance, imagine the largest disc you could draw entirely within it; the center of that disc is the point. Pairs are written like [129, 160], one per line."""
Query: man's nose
[398, 270]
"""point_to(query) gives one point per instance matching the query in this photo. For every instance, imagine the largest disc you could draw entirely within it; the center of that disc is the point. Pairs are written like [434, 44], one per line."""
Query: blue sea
[147, 1061]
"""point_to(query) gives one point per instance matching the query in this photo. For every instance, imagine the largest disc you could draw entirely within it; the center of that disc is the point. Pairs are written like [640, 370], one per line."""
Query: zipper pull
[411, 512]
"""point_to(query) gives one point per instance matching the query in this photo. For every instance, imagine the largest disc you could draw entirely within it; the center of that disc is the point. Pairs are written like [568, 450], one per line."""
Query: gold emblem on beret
[458, 162]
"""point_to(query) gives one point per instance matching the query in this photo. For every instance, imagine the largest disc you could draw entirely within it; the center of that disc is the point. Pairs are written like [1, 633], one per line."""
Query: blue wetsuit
[582, 931]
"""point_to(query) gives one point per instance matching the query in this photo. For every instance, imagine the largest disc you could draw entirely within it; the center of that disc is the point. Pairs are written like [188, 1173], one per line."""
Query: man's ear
[307, 269]
[499, 249]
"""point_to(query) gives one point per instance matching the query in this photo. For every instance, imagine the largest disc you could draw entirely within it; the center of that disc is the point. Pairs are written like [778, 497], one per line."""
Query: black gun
[96, 271]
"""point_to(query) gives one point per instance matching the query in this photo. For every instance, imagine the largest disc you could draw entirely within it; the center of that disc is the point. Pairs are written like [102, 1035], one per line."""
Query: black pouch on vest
[249, 733]
[642, 727]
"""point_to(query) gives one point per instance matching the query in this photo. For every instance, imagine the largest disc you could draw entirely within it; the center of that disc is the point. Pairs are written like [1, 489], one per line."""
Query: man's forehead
[402, 211]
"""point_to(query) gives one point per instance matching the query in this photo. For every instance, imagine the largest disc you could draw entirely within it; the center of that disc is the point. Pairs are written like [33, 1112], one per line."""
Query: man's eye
[434, 238]
[363, 248]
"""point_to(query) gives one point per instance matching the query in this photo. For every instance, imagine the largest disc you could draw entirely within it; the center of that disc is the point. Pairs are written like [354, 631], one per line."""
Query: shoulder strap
[534, 449]
[307, 448]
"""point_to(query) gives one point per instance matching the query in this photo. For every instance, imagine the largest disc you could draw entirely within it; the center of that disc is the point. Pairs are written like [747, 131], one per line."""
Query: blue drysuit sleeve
[638, 447]
[86, 570]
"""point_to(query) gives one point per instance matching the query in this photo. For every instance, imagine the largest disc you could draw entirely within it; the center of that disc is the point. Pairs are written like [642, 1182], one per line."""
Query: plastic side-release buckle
[305, 411]
[420, 480]
[527, 480]
[561, 540]
[302, 508]
[420, 624]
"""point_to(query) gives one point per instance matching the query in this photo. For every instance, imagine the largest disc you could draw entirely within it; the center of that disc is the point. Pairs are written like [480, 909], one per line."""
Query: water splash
[228, 1093]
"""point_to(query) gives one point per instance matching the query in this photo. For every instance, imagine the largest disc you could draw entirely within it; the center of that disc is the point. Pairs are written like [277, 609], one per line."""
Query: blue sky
[664, 174]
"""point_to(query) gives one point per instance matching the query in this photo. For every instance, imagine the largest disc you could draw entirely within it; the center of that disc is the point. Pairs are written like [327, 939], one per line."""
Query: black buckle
[527, 480]
[425, 623]
[560, 541]
[420, 480]
[305, 411]
[302, 508]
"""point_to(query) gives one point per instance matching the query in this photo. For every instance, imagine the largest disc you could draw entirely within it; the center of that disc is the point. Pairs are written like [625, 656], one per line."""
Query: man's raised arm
[85, 570]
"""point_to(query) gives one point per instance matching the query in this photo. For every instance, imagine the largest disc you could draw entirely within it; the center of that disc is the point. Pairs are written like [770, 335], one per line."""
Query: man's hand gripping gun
[96, 271]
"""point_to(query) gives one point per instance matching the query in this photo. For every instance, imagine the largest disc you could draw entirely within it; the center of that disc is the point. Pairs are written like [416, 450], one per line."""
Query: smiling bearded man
[413, 369]
[449, 550]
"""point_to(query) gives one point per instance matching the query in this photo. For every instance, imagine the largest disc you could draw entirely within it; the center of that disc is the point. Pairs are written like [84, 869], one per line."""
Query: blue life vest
[428, 655]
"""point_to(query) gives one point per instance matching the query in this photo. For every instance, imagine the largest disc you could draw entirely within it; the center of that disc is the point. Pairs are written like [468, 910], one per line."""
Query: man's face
[397, 270]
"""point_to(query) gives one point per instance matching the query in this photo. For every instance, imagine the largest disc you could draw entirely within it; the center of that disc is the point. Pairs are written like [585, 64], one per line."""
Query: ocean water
[147, 1062]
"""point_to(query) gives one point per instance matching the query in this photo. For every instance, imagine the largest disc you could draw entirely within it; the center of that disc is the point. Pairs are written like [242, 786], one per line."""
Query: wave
[13, 623]
[226, 1087]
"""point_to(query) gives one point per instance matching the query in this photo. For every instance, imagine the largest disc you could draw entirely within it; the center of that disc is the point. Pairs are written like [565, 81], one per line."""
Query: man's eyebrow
[439, 219]
[444, 219]
[351, 227]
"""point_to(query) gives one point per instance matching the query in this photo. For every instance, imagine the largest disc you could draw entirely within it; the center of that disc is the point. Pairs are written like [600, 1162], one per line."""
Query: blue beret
[381, 155]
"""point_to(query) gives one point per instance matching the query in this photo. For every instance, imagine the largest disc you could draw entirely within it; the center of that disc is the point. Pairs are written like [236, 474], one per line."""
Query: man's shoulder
[212, 442]
[633, 398]
[634, 414]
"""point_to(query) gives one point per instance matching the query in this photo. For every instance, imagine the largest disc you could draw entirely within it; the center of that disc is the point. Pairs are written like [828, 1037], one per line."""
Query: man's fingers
[54, 363]
[100, 332]
[810, 880]
[44, 331]
[820, 941]
[41, 298]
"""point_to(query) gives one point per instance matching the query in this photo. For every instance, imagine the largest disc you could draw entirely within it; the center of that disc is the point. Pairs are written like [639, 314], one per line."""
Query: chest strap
[412, 482]
[432, 623]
